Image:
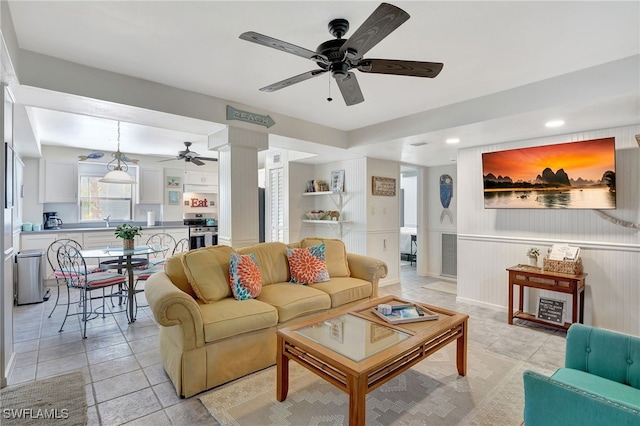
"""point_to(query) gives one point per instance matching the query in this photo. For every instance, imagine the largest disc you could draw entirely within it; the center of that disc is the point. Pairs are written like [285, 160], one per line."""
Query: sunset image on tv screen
[575, 175]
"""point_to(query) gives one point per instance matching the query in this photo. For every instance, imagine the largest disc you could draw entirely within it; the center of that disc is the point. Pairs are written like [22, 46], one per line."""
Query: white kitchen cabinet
[200, 178]
[107, 238]
[176, 233]
[58, 181]
[42, 241]
[150, 186]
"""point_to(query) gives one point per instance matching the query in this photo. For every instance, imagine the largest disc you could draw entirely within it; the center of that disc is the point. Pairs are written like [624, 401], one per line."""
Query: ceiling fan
[341, 55]
[190, 156]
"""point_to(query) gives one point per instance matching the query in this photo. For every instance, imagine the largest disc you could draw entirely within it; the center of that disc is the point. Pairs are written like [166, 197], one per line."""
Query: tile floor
[126, 383]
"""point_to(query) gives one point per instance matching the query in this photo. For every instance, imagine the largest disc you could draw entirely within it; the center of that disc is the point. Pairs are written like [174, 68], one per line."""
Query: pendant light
[117, 168]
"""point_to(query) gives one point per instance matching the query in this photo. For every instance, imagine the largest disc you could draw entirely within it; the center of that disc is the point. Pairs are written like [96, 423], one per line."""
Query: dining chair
[156, 260]
[76, 274]
[182, 245]
[52, 259]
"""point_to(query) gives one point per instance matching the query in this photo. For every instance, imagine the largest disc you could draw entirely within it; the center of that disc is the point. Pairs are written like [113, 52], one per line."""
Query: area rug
[447, 287]
[58, 400]
[431, 393]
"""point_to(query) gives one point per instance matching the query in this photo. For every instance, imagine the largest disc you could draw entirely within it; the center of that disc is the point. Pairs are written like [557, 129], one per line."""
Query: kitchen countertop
[74, 228]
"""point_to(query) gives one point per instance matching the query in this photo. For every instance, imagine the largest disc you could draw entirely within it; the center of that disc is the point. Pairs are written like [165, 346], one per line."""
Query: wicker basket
[562, 266]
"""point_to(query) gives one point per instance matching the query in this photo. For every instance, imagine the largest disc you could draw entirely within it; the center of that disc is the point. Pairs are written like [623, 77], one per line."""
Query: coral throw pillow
[244, 276]
[307, 265]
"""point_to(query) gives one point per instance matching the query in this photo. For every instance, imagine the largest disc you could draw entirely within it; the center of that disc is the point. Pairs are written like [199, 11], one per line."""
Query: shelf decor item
[128, 233]
[337, 181]
[315, 215]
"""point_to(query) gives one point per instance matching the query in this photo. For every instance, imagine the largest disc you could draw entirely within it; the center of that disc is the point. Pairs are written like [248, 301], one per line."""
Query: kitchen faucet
[106, 220]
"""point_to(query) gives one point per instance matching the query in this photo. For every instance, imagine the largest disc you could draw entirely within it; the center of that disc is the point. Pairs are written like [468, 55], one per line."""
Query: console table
[530, 276]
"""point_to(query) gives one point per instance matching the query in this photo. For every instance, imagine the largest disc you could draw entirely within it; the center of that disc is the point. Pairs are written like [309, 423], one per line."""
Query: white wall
[490, 240]
[409, 185]
[434, 209]
[383, 219]
[373, 227]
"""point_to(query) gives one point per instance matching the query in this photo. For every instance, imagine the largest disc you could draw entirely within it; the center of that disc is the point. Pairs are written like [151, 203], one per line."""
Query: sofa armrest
[548, 401]
[367, 268]
[172, 306]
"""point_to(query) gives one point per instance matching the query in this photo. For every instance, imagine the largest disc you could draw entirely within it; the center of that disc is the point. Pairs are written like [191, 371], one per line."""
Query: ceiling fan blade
[382, 22]
[292, 80]
[196, 161]
[397, 67]
[283, 45]
[169, 159]
[350, 89]
[207, 158]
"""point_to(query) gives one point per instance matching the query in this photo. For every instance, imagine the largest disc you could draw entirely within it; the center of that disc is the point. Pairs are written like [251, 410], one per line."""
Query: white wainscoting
[490, 240]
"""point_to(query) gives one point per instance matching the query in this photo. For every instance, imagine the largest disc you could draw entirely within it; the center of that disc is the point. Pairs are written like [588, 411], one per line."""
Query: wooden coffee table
[356, 351]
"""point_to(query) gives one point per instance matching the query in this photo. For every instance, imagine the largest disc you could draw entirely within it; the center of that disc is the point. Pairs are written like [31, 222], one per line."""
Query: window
[99, 200]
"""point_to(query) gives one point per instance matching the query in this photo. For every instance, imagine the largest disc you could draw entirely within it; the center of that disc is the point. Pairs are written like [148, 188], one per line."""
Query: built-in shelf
[323, 193]
[328, 222]
[338, 204]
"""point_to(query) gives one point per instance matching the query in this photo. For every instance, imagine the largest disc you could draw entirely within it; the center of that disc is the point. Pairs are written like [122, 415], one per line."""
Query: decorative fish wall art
[446, 194]
[93, 156]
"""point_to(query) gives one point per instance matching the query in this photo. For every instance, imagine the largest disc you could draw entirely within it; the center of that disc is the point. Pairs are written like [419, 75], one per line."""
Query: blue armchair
[599, 385]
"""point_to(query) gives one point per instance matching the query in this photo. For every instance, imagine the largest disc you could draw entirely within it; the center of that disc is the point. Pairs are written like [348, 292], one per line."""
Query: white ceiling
[488, 48]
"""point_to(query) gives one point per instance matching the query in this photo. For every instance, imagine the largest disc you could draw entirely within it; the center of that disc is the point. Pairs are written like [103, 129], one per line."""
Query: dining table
[123, 259]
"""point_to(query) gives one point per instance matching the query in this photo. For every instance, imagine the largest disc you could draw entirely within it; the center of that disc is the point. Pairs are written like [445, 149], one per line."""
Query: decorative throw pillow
[244, 276]
[307, 265]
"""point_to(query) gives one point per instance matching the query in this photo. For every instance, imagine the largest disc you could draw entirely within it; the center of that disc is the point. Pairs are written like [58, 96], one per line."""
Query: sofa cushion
[344, 290]
[335, 254]
[596, 385]
[230, 317]
[208, 272]
[175, 271]
[244, 276]
[272, 261]
[294, 300]
[307, 265]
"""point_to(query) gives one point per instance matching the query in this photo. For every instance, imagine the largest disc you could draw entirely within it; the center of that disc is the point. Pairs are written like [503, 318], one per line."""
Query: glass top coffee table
[357, 351]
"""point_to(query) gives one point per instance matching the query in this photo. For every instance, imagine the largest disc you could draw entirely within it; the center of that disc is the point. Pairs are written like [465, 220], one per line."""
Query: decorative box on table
[562, 266]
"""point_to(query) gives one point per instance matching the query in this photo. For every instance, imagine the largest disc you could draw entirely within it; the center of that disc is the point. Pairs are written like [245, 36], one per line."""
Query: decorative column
[238, 184]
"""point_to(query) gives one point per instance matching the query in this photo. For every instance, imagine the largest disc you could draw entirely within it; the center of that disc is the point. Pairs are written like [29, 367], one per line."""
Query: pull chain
[329, 99]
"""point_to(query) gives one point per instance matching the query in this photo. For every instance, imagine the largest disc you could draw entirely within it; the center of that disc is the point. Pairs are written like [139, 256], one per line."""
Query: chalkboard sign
[551, 310]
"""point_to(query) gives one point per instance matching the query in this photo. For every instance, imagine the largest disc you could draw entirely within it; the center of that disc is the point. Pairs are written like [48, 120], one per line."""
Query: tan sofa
[203, 345]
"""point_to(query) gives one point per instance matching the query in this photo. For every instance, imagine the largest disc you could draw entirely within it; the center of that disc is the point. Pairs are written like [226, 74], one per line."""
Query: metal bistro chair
[156, 260]
[52, 259]
[181, 246]
[76, 275]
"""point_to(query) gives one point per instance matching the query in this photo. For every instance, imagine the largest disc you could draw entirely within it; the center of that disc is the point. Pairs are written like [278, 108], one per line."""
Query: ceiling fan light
[117, 176]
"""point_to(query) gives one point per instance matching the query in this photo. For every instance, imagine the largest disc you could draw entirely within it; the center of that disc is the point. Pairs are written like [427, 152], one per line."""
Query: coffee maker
[51, 220]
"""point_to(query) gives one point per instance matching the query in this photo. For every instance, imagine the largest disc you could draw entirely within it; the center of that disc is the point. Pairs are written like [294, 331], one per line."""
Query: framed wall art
[383, 186]
[173, 181]
[174, 197]
[337, 181]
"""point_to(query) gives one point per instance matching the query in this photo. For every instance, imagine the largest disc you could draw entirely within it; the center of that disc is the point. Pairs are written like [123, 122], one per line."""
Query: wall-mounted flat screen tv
[574, 175]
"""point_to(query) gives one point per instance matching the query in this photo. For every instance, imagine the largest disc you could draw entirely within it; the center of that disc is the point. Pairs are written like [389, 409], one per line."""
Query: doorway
[408, 217]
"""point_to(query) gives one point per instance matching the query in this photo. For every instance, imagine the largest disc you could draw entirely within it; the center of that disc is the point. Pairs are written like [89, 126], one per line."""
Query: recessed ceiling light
[554, 123]
[453, 140]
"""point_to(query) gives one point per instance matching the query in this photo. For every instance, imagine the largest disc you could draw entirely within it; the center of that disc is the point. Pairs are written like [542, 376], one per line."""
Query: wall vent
[449, 255]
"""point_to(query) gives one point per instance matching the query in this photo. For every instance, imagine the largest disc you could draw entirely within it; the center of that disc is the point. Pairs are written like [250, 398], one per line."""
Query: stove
[203, 229]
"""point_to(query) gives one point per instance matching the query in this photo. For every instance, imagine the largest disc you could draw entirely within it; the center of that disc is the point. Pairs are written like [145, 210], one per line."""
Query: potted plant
[128, 233]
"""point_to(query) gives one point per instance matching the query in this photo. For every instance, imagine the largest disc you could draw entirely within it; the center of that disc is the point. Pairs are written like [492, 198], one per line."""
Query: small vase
[533, 261]
[128, 244]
